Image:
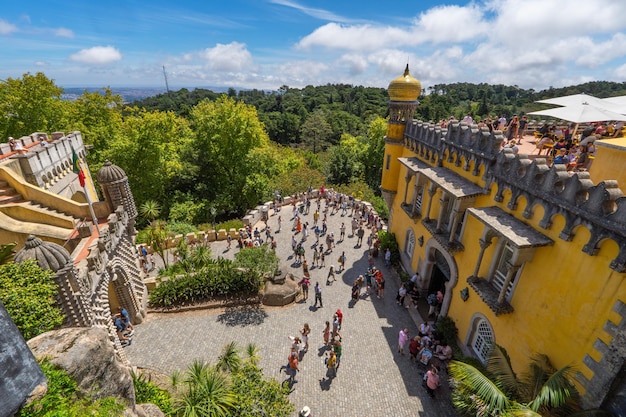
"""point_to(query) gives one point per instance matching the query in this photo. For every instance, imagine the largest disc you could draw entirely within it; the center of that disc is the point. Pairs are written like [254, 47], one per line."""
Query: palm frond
[252, 352]
[557, 391]
[499, 365]
[468, 379]
[229, 359]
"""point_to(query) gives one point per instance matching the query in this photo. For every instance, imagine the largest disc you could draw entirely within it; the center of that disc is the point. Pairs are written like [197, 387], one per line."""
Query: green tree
[373, 154]
[29, 104]
[29, 296]
[316, 132]
[227, 132]
[98, 116]
[344, 161]
[148, 150]
[261, 259]
[498, 391]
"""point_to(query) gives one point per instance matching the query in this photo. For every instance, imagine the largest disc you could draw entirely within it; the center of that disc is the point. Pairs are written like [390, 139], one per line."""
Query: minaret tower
[403, 94]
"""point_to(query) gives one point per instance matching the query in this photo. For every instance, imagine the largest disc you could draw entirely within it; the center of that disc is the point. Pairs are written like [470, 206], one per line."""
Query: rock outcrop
[280, 292]
[88, 356]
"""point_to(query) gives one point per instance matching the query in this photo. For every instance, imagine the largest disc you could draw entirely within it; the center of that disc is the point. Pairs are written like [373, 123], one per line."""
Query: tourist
[119, 327]
[305, 412]
[380, 284]
[339, 314]
[326, 333]
[331, 273]
[293, 369]
[512, 128]
[305, 336]
[432, 381]
[401, 295]
[388, 258]
[342, 232]
[318, 294]
[280, 222]
[342, 261]
[403, 337]
[356, 291]
[331, 364]
[125, 317]
[414, 347]
[322, 258]
[316, 256]
[521, 130]
[360, 234]
[304, 285]
[443, 352]
[424, 330]
[338, 349]
[335, 326]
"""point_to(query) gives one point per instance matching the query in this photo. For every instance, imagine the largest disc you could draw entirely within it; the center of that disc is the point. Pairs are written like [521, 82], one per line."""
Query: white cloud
[7, 28]
[64, 33]
[41, 63]
[356, 37]
[97, 55]
[231, 57]
[451, 24]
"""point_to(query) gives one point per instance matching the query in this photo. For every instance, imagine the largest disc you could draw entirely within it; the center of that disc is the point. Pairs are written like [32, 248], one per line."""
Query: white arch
[480, 336]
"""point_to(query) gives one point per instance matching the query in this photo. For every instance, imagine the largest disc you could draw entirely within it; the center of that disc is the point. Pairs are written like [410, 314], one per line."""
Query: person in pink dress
[403, 337]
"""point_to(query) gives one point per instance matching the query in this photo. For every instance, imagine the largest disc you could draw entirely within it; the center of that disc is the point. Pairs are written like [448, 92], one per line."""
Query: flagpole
[78, 169]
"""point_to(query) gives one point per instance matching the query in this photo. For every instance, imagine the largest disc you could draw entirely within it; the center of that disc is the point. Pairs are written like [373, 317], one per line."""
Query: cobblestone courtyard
[373, 380]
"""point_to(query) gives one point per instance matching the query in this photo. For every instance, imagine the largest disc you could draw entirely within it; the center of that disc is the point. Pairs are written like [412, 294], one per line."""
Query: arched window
[482, 341]
[409, 246]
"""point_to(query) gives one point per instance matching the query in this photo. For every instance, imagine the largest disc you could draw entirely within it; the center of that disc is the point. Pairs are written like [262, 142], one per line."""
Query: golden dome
[405, 87]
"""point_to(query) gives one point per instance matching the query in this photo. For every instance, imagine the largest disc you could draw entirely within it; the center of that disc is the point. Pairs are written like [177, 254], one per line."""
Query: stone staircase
[8, 194]
[13, 205]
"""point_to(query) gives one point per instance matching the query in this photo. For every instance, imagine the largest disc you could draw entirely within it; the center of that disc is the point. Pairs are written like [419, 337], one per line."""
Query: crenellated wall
[600, 208]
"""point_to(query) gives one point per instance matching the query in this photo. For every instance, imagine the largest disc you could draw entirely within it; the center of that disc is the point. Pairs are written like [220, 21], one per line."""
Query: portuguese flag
[77, 168]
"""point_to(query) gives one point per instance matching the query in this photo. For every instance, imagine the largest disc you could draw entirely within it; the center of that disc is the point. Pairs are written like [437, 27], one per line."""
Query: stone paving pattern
[373, 379]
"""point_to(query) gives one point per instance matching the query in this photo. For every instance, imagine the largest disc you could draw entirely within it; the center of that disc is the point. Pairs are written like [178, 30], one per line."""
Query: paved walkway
[373, 380]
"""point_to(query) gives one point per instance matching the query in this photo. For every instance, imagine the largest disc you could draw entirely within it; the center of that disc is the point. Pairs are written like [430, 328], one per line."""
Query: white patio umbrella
[581, 113]
[579, 99]
[619, 101]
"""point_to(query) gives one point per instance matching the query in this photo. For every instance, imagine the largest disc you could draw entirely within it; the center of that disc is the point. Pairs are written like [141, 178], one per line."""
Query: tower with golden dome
[403, 93]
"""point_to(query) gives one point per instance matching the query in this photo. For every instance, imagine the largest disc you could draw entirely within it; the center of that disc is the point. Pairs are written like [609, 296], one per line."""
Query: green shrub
[62, 399]
[180, 228]
[261, 258]
[218, 278]
[388, 240]
[148, 392]
[28, 294]
[230, 224]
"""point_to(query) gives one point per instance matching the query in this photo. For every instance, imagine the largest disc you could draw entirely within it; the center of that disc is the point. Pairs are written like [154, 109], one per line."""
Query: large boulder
[87, 354]
[280, 292]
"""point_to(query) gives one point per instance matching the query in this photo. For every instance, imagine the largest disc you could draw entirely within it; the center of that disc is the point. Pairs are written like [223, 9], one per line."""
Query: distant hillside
[129, 94]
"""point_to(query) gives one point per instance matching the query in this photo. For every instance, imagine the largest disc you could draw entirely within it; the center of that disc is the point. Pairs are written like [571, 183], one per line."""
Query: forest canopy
[201, 156]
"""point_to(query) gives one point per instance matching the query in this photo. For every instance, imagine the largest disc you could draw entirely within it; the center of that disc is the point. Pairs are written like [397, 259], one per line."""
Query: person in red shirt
[339, 314]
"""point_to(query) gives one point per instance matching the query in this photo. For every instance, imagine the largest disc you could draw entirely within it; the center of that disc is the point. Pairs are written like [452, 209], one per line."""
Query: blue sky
[269, 43]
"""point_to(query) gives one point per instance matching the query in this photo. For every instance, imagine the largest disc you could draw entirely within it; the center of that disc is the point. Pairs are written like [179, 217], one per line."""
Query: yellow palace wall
[563, 296]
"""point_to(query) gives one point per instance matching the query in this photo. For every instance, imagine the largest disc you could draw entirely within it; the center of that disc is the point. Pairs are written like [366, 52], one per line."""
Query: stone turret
[71, 292]
[114, 183]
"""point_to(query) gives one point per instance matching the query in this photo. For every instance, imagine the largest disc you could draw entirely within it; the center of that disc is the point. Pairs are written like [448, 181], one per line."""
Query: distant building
[45, 209]
[528, 256]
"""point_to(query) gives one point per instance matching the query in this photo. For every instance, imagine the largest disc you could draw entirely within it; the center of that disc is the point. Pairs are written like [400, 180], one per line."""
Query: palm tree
[252, 353]
[207, 393]
[497, 390]
[229, 360]
[150, 210]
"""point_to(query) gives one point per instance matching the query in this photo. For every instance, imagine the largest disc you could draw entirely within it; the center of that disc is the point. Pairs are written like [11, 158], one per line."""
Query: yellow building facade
[528, 256]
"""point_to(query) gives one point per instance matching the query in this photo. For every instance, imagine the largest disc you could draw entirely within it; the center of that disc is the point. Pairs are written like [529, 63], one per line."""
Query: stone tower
[114, 184]
[71, 291]
[403, 94]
